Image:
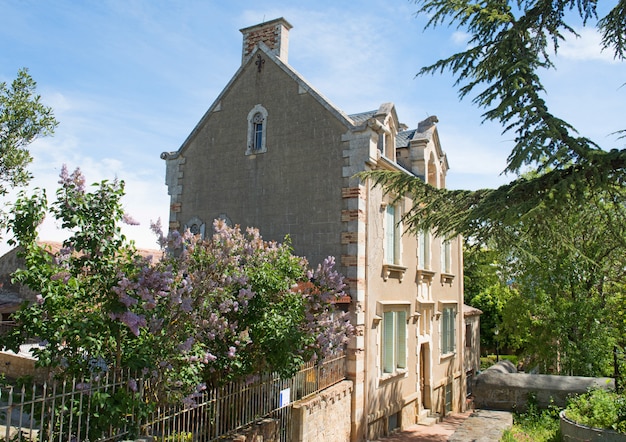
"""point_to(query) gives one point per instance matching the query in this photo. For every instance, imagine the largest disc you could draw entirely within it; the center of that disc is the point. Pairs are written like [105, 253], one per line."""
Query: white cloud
[460, 38]
[586, 47]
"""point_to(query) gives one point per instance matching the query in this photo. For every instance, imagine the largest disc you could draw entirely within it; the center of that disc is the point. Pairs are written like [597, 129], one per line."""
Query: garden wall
[324, 417]
[17, 365]
[501, 387]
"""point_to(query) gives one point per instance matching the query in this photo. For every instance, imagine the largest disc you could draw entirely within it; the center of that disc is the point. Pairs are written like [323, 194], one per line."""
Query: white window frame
[393, 326]
[393, 234]
[394, 334]
[423, 253]
[257, 122]
[447, 330]
[446, 256]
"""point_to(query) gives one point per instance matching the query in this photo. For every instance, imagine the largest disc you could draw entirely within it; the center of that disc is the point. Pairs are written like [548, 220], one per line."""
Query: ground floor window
[394, 341]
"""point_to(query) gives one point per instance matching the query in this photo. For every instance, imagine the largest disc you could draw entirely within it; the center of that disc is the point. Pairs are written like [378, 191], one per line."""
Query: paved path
[471, 426]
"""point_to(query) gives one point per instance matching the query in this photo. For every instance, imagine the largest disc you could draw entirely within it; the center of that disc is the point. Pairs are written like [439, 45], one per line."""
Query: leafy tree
[23, 118]
[561, 227]
[568, 269]
[208, 312]
[481, 269]
[511, 43]
[485, 288]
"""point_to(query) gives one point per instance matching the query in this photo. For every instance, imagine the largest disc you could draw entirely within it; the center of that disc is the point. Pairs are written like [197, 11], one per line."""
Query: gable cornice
[303, 85]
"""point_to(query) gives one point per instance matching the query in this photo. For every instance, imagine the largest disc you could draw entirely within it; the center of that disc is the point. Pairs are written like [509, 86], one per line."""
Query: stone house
[271, 152]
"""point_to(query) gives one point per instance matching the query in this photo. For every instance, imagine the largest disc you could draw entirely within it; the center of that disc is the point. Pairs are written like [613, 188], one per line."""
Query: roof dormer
[385, 124]
[427, 158]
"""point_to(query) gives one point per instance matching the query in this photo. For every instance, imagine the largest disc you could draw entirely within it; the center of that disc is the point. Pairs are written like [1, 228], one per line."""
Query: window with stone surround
[394, 340]
[257, 130]
[447, 332]
[392, 246]
[423, 252]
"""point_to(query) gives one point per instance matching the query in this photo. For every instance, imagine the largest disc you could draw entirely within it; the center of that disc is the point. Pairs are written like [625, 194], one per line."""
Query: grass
[535, 425]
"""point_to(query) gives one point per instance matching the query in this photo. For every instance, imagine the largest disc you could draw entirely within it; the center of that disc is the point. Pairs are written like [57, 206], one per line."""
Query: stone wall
[266, 430]
[15, 366]
[324, 417]
[501, 387]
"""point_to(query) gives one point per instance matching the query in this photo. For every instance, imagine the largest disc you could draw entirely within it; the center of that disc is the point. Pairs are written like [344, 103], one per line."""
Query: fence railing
[65, 410]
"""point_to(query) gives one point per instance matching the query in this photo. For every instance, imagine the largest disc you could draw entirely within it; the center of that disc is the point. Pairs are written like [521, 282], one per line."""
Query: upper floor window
[392, 235]
[257, 130]
[424, 250]
[468, 335]
[446, 256]
[257, 121]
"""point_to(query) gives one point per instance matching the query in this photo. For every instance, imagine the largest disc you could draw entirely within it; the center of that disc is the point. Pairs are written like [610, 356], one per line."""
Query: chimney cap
[267, 23]
[273, 33]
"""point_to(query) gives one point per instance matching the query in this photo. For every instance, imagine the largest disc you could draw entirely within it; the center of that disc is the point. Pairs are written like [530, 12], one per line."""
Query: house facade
[272, 152]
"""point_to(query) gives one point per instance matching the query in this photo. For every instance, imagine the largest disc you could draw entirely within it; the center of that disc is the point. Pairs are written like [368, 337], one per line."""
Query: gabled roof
[426, 130]
[304, 86]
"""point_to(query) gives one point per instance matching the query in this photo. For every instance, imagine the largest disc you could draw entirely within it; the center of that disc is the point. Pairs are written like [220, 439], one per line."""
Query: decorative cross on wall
[260, 61]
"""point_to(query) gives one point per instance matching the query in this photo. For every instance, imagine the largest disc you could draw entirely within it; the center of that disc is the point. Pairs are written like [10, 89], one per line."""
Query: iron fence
[63, 410]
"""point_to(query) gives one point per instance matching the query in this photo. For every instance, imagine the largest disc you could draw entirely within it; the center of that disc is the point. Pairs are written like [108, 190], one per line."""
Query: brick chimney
[275, 35]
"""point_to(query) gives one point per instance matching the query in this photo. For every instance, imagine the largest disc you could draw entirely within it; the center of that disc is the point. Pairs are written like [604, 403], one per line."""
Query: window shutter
[390, 227]
[388, 342]
[448, 341]
[422, 250]
[445, 332]
[401, 339]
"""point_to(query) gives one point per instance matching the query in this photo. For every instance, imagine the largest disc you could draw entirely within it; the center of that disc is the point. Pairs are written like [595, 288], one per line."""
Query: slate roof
[362, 117]
[403, 138]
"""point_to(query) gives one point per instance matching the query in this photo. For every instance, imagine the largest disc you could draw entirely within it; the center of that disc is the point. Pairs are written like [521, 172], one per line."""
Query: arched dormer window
[257, 130]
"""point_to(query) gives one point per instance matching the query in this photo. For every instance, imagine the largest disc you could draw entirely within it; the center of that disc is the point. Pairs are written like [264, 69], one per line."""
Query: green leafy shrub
[598, 409]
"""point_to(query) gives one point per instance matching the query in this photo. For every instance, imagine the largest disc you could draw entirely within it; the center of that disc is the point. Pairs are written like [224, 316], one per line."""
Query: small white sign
[284, 397]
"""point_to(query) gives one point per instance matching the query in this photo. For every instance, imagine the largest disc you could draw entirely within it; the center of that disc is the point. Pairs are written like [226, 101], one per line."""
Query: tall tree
[23, 118]
[566, 312]
[485, 288]
[511, 43]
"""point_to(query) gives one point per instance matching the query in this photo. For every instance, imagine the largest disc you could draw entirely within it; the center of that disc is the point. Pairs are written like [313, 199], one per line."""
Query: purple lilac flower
[132, 320]
[127, 219]
[186, 346]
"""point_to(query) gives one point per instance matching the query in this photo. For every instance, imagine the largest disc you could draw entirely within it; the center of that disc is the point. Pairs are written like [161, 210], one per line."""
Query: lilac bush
[252, 306]
[209, 311]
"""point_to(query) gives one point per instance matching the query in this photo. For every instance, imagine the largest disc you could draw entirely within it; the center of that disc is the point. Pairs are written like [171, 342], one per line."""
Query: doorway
[424, 376]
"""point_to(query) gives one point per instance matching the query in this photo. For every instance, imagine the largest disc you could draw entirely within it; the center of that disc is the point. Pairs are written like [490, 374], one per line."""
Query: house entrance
[424, 376]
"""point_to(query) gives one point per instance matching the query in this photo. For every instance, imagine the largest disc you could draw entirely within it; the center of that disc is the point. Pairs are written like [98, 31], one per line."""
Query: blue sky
[129, 79]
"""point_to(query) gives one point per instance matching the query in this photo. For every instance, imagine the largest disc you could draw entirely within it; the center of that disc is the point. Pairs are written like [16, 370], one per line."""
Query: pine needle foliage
[511, 43]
